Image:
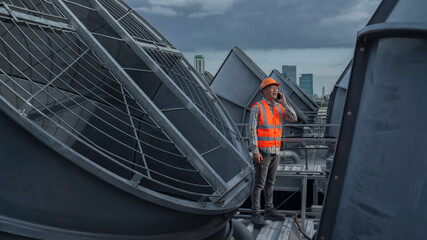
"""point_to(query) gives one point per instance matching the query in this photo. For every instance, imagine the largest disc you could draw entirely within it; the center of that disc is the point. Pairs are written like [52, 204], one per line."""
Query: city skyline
[321, 88]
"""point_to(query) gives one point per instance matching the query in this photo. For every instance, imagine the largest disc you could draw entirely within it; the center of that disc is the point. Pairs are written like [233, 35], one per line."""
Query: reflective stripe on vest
[269, 131]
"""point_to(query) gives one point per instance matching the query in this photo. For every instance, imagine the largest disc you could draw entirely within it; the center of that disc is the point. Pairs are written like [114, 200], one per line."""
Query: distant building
[290, 72]
[323, 91]
[316, 97]
[306, 83]
[199, 64]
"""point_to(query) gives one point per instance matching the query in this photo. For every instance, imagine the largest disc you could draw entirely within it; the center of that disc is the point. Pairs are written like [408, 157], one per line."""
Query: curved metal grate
[137, 27]
[164, 82]
[41, 8]
[174, 66]
[171, 62]
[55, 81]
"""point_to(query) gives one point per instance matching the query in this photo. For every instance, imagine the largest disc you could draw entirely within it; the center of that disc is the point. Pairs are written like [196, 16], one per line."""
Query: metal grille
[173, 64]
[41, 8]
[138, 28]
[55, 81]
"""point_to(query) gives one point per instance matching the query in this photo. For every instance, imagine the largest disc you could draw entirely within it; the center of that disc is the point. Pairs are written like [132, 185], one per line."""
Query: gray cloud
[159, 10]
[317, 36]
[254, 24]
[189, 8]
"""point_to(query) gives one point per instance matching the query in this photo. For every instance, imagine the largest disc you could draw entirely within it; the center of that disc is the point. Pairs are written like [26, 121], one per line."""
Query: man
[265, 132]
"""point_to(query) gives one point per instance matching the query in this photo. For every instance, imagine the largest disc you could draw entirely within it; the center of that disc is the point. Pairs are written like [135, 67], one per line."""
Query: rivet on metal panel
[349, 113]
[136, 180]
[362, 49]
[336, 178]
[22, 112]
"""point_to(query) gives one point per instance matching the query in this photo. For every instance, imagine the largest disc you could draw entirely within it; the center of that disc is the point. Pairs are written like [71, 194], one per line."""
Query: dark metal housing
[336, 102]
[378, 184]
[107, 132]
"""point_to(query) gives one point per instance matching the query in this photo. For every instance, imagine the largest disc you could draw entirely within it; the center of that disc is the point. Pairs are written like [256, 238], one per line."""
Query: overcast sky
[317, 36]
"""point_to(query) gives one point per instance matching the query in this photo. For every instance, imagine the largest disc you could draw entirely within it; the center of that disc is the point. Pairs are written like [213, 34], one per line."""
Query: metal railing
[312, 141]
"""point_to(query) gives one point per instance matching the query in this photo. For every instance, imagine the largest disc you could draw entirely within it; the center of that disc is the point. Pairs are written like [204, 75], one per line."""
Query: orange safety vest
[269, 131]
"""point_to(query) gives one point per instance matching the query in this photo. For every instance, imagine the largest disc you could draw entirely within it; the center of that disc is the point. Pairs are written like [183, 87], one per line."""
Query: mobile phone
[279, 96]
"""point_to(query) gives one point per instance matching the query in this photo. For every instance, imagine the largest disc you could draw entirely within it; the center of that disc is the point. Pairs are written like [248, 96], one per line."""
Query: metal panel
[336, 102]
[150, 128]
[234, 81]
[238, 83]
[378, 186]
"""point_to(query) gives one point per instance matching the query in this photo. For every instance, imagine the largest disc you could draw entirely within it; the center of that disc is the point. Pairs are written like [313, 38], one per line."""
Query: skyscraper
[290, 72]
[199, 63]
[306, 83]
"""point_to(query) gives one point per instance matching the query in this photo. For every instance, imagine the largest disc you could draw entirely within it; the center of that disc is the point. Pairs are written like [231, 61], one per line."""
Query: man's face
[270, 92]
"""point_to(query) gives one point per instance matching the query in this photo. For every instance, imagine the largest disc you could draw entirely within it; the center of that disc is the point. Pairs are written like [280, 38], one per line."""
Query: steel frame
[27, 105]
[135, 46]
[144, 100]
[225, 191]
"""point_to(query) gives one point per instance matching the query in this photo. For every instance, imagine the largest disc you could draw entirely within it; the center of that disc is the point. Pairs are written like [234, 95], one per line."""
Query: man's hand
[257, 158]
[282, 99]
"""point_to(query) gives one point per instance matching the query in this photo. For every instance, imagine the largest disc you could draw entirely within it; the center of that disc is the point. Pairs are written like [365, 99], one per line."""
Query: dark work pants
[265, 175]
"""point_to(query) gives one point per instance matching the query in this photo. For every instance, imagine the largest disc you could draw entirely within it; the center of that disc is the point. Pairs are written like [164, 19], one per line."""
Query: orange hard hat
[268, 81]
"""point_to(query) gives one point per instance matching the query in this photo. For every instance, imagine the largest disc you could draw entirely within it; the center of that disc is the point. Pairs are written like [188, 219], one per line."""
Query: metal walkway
[279, 230]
